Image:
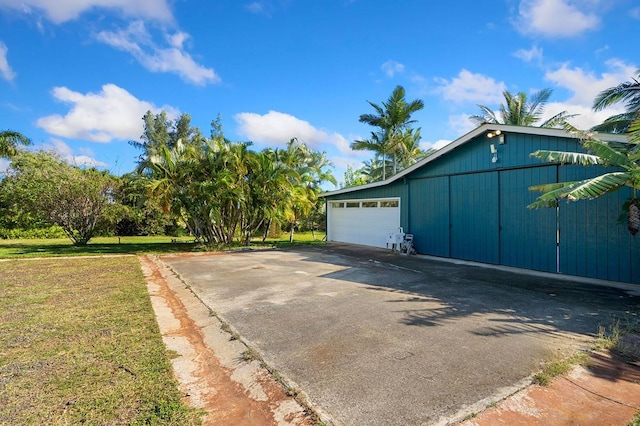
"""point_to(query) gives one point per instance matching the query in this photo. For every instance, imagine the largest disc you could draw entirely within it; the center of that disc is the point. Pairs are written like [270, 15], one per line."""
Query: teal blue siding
[464, 206]
[429, 218]
[475, 155]
[593, 243]
[474, 217]
[527, 237]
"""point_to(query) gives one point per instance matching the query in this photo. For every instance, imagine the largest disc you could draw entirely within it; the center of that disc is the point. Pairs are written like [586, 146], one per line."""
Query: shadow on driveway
[379, 339]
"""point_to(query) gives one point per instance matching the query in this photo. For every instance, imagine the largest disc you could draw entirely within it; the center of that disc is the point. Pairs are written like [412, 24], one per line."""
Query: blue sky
[76, 76]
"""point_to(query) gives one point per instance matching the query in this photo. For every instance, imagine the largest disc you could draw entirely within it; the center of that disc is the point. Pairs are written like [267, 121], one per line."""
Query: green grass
[609, 338]
[10, 249]
[79, 344]
[97, 246]
[560, 367]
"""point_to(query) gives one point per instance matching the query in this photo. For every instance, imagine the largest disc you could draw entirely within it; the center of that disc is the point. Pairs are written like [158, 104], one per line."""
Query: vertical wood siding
[475, 217]
[527, 237]
[464, 206]
[429, 216]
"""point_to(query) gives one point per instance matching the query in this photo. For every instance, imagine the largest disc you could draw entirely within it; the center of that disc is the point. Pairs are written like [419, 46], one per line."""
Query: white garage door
[366, 222]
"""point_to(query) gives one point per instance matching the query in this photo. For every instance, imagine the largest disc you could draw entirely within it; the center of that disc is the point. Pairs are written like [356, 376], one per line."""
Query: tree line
[222, 191]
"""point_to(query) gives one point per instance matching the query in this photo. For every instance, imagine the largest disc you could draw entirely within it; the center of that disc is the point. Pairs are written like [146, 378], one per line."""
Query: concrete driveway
[380, 339]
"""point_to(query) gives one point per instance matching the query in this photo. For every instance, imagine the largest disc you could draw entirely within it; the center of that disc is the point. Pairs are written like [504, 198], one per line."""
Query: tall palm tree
[518, 110]
[627, 93]
[9, 141]
[392, 118]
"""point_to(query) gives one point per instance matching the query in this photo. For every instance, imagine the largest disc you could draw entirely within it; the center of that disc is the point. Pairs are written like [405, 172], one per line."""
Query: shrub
[32, 233]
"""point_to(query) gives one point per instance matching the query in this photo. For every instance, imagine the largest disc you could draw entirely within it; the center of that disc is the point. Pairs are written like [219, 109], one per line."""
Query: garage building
[469, 201]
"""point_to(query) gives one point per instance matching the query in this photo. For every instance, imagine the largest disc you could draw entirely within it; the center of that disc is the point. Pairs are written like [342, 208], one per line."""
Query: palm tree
[372, 170]
[308, 170]
[627, 93]
[378, 145]
[9, 141]
[393, 118]
[520, 111]
[409, 151]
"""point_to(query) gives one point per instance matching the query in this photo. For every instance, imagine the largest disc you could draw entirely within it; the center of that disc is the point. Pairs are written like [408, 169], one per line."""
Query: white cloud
[585, 86]
[255, 7]
[425, 145]
[635, 13]
[556, 18]
[113, 113]
[530, 55]
[66, 153]
[4, 165]
[392, 68]
[585, 116]
[5, 69]
[470, 87]
[461, 124]
[59, 11]
[277, 129]
[137, 41]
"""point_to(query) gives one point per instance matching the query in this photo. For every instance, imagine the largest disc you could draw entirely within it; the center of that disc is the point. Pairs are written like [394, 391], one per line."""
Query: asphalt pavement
[375, 338]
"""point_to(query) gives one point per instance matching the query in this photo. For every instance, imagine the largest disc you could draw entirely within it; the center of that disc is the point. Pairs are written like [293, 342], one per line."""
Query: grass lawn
[79, 343]
[129, 245]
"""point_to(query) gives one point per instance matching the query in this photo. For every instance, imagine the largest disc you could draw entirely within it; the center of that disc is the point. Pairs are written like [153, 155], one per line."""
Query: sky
[76, 76]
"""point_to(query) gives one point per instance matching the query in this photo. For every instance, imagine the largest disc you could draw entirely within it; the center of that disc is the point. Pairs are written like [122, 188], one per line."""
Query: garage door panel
[429, 221]
[363, 225]
[475, 217]
[527, 236]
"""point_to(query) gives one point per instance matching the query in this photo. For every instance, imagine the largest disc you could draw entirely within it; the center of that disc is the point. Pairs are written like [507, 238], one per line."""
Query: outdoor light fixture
[494, 153]
[497, 133]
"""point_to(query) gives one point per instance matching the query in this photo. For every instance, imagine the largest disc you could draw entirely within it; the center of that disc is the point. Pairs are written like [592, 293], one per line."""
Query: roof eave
[541, 131]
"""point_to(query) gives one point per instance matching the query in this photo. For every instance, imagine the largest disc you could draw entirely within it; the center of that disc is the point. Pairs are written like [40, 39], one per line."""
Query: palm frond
[537, 103]
[487, 116]
[618, 123]
[627, 92]
[560, 121]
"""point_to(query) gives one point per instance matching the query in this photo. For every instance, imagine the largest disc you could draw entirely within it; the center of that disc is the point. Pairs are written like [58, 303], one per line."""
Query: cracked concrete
[208, 365]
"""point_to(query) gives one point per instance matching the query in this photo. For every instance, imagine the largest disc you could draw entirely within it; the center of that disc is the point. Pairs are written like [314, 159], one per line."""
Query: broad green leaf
[562, 157]
[607, 154]
[580, 190]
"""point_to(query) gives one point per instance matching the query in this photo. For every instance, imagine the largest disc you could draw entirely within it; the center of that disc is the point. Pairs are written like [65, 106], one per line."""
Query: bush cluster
[32, 233]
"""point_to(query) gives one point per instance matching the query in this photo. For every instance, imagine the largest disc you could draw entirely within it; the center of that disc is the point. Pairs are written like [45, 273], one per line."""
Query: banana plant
[624, 158]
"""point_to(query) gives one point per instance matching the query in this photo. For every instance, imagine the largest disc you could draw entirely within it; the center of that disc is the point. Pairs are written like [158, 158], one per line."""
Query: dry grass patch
[79, 343]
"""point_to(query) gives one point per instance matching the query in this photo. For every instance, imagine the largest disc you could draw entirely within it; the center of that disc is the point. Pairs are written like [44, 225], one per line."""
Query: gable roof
[540, 131]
